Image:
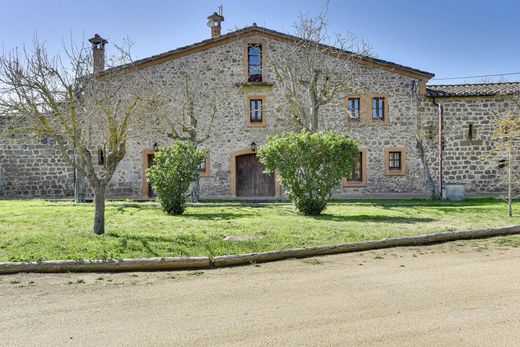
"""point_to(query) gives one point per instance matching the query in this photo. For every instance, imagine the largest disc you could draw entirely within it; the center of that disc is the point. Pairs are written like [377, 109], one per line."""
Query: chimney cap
[96, 40]
[216, 17]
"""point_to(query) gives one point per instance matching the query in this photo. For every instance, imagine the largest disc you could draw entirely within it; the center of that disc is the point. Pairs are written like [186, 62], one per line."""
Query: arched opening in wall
[248, 178]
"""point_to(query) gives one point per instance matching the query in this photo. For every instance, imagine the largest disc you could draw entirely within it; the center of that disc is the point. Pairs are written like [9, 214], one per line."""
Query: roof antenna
[221, 10]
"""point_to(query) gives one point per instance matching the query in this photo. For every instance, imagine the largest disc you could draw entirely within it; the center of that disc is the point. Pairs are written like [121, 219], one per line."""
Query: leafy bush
[310, 165]
[172, 173]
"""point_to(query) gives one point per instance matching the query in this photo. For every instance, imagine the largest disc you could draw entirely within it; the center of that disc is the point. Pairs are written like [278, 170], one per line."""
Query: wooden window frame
[252, 42]
[207, 170]
[363, 183]
[248, 113]
[380, 117]
[361, 108]
[402, 171]
[366, 109]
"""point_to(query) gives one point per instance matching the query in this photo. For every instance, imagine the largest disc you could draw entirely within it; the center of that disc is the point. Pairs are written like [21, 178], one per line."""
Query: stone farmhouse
[394, 109]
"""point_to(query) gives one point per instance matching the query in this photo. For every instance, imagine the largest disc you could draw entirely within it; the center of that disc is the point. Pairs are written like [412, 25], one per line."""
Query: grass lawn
[42, 230]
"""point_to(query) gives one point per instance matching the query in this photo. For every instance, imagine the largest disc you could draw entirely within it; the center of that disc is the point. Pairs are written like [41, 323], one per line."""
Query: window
[254, 62]
[101, 157]
[378, 109]
[471, 132]
[358, 173]
[256, 112]
[395, 161]
[203, 167]
[357, 169]
[366, 109]
[354, 108]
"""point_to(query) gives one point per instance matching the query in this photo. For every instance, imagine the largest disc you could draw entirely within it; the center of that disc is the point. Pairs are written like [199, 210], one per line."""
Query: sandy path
[464, 293]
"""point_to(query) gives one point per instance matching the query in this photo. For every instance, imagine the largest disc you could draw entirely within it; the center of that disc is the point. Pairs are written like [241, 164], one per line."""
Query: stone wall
[465, 158]
[37, 169]
[222, 67]
[34, 169]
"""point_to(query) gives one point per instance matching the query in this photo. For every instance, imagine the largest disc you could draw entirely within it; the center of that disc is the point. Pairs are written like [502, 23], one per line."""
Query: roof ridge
[261, 29]
[471, 84]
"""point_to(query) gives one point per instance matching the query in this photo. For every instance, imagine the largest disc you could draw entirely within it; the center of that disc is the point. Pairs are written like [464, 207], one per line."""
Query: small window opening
[378, 109]
[394, 161]
[354, 108]
[101, 157]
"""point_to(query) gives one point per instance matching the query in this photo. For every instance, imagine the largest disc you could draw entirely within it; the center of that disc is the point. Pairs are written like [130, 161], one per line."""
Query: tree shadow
[374, 219]
[218, 215]
[178, 245]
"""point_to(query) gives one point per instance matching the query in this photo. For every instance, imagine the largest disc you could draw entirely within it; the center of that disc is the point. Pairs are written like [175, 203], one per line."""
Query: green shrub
[172, 173]
[310, 165]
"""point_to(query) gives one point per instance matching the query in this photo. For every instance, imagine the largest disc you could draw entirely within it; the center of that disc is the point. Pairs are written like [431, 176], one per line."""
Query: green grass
[42, 230]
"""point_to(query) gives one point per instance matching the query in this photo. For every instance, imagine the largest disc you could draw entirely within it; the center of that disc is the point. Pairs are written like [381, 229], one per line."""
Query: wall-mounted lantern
[155, 146]
[253, 146]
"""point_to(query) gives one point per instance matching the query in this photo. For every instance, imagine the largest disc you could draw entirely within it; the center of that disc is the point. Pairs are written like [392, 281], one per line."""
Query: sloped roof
[237, 34]
[476, 89]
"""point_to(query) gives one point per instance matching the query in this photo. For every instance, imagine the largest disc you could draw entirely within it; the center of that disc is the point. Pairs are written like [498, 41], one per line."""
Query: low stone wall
[34, 170]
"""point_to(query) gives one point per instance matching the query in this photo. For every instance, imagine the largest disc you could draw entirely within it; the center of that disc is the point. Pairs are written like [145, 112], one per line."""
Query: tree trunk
[99, 215]
[79, 187]
[430, 184]
[195, 191]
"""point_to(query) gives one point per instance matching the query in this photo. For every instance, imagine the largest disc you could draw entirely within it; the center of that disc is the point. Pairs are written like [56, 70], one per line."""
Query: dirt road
[464, 293]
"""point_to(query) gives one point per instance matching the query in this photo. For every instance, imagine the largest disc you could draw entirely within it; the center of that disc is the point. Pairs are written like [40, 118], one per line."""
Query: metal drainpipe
[441, 146]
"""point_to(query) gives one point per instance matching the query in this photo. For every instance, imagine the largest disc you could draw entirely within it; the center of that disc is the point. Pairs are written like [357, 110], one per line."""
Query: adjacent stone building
[394, 108]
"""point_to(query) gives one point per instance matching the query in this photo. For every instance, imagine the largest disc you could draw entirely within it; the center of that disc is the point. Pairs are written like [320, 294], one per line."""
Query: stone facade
[34, 169]
[469, 122]
[37, 170]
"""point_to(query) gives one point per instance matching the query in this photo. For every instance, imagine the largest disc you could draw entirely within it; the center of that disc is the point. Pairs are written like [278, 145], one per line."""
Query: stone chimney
[214, 23]
[98, 52]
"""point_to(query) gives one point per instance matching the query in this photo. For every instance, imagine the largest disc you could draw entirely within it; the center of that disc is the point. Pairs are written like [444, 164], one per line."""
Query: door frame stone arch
[233, 168]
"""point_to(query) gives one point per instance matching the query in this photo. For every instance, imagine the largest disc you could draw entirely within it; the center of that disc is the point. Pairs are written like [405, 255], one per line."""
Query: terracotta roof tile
[476, 89]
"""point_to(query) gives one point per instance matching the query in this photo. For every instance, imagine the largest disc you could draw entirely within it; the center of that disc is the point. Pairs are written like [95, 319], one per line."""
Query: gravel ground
[462, 293]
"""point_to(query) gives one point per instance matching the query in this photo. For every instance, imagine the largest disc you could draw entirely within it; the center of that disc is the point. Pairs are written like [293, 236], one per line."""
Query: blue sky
[448, 38]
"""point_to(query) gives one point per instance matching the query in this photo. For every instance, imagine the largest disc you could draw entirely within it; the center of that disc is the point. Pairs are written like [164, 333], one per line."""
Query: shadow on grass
[218, 215]
[374, 219]
[156, 245]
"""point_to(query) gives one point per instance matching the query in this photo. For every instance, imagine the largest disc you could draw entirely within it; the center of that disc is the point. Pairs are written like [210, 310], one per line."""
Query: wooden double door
[251, 180]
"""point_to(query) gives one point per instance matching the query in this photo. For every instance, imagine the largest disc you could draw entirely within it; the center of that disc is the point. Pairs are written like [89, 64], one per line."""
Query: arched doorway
[251, 179]
[248, 178]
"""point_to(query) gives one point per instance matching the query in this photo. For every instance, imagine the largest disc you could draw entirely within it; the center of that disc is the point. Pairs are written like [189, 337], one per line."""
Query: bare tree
[504, 156]
[91, 117]
[315, 69]
[191, 109]
[427, 138]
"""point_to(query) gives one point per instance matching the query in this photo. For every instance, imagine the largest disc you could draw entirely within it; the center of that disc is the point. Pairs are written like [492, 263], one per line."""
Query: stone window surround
[247, 43]
[401, 172]
[250, 124]
[366, 109]
[233, 166]
[363, 182]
